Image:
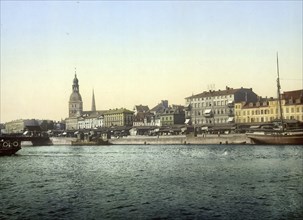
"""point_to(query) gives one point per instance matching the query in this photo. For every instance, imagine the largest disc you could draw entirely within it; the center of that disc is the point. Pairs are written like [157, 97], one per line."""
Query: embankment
[161, 140]
[62, 140]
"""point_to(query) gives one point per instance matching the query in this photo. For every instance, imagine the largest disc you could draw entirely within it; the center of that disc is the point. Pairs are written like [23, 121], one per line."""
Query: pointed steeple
[75, 83]
[75, 105]
[93, 102]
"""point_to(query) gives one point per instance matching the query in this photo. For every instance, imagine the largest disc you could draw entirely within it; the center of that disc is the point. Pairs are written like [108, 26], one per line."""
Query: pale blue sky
[140, 52]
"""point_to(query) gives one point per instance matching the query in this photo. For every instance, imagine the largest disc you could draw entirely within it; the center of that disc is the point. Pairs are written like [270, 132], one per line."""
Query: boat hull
[9, 152]
[9, 147]
[277, 139]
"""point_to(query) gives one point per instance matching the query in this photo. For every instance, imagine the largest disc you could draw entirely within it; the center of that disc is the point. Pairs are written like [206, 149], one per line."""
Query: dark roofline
[211, 93]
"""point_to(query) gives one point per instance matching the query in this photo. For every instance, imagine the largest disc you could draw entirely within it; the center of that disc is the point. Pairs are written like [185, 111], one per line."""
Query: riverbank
[182, 139]
[171, 139]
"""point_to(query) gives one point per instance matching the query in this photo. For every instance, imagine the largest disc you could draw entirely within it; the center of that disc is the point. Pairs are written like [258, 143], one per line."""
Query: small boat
[9, 147]
[279, 137]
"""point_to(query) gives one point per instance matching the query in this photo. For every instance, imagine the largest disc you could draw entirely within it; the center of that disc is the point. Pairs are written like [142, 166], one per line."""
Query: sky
[142, 52]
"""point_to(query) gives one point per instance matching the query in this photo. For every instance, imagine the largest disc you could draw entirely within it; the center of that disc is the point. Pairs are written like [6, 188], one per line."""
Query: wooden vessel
[285, 138]
[280, 137]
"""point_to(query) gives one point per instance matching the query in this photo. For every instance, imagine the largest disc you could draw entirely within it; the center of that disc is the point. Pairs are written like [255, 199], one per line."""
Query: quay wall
[162, 140]
[62, 140]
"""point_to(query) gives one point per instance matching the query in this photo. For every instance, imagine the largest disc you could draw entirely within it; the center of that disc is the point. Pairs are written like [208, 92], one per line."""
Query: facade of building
[173, 116]
[21, 125]
[118, 117]
[266, 110]
[292, 105]
[71, 123]
[216, 107]
[143, 116]
[93, 120]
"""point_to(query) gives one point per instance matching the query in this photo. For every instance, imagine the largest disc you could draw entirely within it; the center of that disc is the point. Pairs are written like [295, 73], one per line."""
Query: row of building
[209, 108]
[242, 106]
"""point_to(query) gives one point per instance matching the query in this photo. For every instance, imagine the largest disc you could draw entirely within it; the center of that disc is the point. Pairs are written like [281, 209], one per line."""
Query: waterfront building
[216, 107]
[158, 110]
[292, 104]
[21, 125]
[92, 120]
[173, 115]
[143, 116]
[264, 110]
[118, 117]
[71, 123]
[267, 110]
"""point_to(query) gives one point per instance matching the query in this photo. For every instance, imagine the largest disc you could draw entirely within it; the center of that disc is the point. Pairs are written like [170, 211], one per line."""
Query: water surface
[153, 182]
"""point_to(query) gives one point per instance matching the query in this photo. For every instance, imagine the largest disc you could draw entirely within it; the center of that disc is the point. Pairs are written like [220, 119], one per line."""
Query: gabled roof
[158, 108]
[141, 108]
[295, 94]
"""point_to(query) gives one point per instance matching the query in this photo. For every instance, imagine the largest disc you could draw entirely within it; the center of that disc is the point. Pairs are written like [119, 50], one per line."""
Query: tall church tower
[75, 105]
[93, 103]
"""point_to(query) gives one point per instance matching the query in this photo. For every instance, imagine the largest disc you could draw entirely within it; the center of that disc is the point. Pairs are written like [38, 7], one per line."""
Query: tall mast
[279, 94]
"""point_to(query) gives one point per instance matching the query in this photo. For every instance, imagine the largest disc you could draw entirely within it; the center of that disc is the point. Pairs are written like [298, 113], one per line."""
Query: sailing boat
[281, 137]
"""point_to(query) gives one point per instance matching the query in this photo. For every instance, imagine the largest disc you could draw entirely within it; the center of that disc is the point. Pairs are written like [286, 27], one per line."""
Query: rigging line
[290, 79]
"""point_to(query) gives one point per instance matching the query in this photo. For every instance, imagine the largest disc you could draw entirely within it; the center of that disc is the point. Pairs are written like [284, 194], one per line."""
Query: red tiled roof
[295, 94]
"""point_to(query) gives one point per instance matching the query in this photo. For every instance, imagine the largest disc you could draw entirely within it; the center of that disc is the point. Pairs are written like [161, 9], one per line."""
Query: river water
[153, 182]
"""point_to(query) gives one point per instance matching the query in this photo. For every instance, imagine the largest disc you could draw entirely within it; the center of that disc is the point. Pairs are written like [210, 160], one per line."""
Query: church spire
[93, 102]
[75, 84]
